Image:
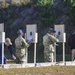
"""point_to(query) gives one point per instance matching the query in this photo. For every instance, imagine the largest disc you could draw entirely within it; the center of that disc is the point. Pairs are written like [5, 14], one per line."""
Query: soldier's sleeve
[54, 39]
[25, 43]
[44, 40]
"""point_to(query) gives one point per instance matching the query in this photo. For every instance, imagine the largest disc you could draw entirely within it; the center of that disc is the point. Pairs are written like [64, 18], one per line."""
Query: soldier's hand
[13, 57]
[27, 45]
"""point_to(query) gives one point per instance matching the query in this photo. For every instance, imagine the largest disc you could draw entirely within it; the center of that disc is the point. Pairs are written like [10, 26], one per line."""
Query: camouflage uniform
[48, 42]
[21, 45]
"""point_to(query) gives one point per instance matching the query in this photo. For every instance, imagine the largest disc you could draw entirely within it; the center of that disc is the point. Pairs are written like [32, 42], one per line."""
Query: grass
[53, 70]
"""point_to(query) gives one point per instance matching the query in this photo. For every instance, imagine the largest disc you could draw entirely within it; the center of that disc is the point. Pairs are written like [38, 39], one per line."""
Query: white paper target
[59, 32]
[31, 29]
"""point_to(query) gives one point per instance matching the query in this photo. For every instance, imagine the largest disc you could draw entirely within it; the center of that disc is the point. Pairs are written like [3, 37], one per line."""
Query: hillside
[16, 17]
[44, 14]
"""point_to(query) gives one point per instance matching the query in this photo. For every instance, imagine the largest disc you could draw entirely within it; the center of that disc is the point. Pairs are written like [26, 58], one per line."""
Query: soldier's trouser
[20, 56]
[47, 56]
[73, 54]
[21, 59]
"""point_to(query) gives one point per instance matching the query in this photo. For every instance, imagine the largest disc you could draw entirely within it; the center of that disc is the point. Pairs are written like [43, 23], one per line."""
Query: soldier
[8, 45]
[48, 42]
[21, 46]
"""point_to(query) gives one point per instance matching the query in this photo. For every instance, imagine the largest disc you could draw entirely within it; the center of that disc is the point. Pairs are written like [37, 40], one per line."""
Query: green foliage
[47, 16]
[44, 2]
[34, 2]
[71, 12]
[41, 2]
[6, 14]
[46, 10]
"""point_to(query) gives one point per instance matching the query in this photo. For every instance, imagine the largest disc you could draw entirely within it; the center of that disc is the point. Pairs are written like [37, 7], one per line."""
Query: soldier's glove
[13, 57]
[27, 45]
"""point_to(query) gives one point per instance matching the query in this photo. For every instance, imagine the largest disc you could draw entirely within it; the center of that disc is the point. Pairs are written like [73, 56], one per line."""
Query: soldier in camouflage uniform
[21, 46]
[48, 42]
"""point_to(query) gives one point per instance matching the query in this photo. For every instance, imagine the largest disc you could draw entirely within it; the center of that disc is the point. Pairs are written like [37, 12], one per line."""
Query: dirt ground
[53, 70]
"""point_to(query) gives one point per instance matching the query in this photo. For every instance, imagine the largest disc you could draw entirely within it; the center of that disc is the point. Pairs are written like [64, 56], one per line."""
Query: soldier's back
[18, 42]
[46, 40]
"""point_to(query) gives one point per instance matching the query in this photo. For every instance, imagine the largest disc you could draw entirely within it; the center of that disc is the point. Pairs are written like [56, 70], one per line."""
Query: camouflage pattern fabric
[48, 42]
[21, 45]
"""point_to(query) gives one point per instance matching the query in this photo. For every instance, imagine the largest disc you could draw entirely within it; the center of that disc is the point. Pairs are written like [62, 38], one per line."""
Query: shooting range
[60, 29]
[31, 33]
[32, 29]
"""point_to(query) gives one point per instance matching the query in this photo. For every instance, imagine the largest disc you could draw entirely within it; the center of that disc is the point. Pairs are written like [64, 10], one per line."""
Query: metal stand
[26, 50]
[35, 53]
[55, 54]
[3, 40]
[63, 52]
[26, 55]
[36, 36]
[2, 54]
[64, 40]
